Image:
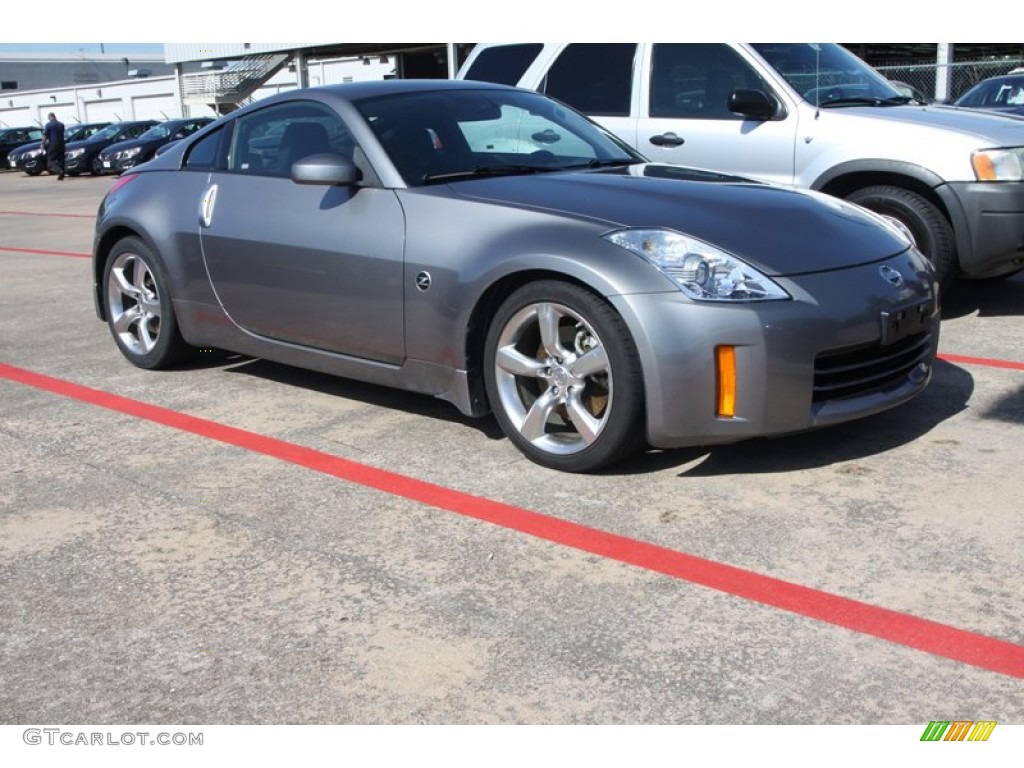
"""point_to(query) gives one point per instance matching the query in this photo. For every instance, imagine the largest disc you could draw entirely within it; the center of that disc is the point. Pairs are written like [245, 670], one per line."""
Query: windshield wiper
[866, 101]
[606, 163]
[490, 170]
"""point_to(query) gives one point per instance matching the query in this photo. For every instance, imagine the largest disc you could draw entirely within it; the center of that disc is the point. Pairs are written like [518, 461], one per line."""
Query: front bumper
[988, 218]
[814, 361]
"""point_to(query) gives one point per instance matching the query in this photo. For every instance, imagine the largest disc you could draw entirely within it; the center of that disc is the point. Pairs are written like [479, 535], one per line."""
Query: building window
[8, 85]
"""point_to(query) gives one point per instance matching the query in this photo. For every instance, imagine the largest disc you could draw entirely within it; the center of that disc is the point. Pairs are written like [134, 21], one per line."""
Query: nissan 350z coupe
[493, 248]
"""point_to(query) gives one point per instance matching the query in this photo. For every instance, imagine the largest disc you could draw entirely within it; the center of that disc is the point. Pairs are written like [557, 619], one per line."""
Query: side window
[504, 64]
[694, 80]
[267, 142]
[204, 155]
[595, 78]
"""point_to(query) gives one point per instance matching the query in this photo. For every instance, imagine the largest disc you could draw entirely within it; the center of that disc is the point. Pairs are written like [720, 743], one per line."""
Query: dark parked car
[123, 155]
[496, 249]
[84, 156]
[12, 138]
[31, 158]
[998, 94]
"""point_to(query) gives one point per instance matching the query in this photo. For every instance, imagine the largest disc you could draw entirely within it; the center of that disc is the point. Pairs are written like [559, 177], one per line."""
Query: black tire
[138, 306]
[33, 173]
[563, 378]
[932, 232]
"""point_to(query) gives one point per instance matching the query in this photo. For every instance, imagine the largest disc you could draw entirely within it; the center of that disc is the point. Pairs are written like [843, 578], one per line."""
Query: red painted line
[59, 215]
[929, 636]
[983, 361]
[46, 253]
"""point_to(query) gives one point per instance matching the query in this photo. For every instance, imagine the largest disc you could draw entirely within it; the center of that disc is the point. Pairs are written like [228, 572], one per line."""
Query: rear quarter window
[504, 64]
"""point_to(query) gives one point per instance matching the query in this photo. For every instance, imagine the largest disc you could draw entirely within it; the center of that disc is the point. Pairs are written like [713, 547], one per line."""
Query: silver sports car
[494, 248]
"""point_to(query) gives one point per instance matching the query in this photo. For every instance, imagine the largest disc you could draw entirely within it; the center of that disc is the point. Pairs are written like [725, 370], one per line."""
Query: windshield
[996, 92]
[443, 135]
[107, 133]
[157, 132]
[825, 73]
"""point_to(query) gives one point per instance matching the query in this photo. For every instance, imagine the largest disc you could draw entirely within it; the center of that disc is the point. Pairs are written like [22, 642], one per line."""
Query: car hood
[87, 143]
[128, 144]
[17, 151]
[991, 128]
[779, 230]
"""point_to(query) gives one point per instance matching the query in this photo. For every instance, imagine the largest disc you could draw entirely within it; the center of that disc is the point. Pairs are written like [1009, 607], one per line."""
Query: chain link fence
[962, 74]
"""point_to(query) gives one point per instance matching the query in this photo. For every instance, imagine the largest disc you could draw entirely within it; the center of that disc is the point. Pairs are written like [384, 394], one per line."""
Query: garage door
[161, 106]
[15, 118]
[104, 111]
[65, 113]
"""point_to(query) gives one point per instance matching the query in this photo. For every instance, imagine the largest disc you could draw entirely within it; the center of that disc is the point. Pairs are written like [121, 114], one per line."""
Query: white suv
[809, 114]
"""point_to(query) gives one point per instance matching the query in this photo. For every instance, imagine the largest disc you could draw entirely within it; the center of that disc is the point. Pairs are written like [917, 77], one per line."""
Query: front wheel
[137, 300]
[563, 378]
[926, 224]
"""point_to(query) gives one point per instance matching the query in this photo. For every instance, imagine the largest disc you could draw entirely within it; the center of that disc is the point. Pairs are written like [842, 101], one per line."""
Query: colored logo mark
[958, 730]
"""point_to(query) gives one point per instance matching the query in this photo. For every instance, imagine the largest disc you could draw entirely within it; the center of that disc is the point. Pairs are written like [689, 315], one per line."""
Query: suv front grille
[863, 370]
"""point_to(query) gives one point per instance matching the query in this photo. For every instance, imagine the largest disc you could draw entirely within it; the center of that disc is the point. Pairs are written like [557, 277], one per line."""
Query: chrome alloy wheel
[553, 378]
[133, 303]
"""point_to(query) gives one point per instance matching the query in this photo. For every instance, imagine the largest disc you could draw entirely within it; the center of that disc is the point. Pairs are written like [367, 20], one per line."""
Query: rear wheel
[563, 378]
[929, 228]
[137, 300]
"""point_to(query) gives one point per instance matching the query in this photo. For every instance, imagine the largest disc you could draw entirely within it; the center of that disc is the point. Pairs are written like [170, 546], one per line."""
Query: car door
[313, 265]
[684, 115]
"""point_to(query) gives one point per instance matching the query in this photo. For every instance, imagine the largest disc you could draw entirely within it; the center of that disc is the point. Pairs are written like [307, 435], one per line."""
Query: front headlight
[999, 164]
[700, 270]
[127, 154]
[34, 153]
[73, 153]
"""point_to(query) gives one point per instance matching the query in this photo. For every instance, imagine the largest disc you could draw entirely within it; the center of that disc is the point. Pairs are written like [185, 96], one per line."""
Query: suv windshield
[827, 74]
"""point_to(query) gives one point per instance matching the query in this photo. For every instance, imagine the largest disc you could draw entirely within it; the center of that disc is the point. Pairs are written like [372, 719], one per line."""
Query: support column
[943, 78]
[301, 74]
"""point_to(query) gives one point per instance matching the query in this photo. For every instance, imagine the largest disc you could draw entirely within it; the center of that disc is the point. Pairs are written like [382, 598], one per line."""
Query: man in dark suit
[53, 143]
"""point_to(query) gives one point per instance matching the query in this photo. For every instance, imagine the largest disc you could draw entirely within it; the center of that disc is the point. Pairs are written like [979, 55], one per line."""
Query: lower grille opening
[867, 369]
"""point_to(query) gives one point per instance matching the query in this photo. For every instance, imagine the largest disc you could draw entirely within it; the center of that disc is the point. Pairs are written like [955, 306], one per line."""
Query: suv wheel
[929, 228]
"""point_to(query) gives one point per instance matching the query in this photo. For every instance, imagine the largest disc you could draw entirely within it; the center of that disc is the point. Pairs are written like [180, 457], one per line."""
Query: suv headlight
[126, 154]
[73, 153]
[999, 164]
[700, 270]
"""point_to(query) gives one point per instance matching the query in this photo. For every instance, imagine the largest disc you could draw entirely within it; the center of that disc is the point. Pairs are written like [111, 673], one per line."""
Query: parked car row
[31, 158]
[99, 148]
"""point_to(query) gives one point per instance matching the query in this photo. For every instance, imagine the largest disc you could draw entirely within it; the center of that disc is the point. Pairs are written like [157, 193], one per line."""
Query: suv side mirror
[752, 103]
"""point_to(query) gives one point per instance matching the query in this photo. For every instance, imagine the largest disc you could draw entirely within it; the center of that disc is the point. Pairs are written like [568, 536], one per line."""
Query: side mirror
[754, 104]
[325, 169]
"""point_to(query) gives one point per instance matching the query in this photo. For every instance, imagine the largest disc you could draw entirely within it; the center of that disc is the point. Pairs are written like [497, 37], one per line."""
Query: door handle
[206, 205]
[667, 140]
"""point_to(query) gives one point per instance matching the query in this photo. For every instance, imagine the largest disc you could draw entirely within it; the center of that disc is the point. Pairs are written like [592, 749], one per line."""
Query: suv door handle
[667, 140]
